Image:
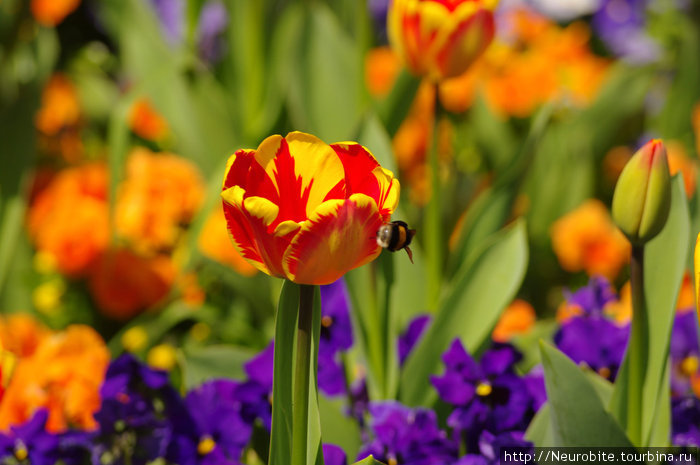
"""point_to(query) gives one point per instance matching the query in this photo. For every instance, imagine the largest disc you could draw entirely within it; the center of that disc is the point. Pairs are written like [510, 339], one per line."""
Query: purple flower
[220, 433]
[171, 15]
[31, 443]
[592, 298]
[685, 421]
[490, 448]
[621, 25]
[685, 352]
[336, 337]
[411, 336]
[595, 341]
[486, 395]
[334, 455]
[212, 24]
[140, 414]
[359, 401]
[255, 393]
[407, 436]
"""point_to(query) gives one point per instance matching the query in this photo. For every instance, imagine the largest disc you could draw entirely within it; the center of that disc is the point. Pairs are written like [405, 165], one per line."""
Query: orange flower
[64, 376]
[60, 107]
[686, 295]
[146, 122]
[124, 283]
[680, 162]
[621, 310]
[382, 65]
[69, 218]
[51, 12]
[536, 62]
[696, 126]
[21, 334]
[440, 38]
[307, 211]
[586, 239]
[518, 318]
[160, 194]
[215, 243]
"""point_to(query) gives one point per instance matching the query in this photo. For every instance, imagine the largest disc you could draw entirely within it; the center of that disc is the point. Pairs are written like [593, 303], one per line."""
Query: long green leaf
[369, 461]
[578, 416]
[483, 288]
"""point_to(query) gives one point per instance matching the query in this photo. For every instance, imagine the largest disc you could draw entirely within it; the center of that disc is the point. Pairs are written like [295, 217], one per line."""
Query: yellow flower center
[21, 451]
[392, 461]
[135, 339]
[162, 357]
[690, 365]
[326, 321]
[483, 389]
[206, 445]
[604, 372]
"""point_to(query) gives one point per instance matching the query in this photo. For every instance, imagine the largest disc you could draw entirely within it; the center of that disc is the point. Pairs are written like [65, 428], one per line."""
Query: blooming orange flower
[124, 283]
[440, 38]
[51, 12]
[382, 66]
[304, 210]
[517, 318]
[160, 194]
[680, 162]
[21, 334]
[696, 126]
[215, 243]
[63, 375]
[146, 122]
[686, 295]
[586, 239]
[60, 107]
[69, 219]
[533, 62]
[621, 310]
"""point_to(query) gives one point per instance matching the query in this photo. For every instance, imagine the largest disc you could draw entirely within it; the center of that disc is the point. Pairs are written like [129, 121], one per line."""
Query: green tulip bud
[642, 196]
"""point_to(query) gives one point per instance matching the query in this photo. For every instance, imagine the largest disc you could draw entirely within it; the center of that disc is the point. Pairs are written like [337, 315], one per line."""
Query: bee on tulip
[395, 236]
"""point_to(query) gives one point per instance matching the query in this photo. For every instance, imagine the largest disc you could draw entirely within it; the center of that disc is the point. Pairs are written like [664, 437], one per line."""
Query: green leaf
[481, 290]
[200, 364]
[337, 427]
[664, 265]
[395, 107]
[325, 83]
[578, 416]
[369, 461]
[540, 431]
[283, 381]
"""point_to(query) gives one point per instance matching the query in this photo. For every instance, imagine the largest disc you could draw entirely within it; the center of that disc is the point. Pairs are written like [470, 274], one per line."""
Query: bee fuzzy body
[396, 236]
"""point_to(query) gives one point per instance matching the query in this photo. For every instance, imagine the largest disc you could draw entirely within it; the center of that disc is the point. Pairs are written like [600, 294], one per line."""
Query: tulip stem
[433, 217]
[302, 374]
[637, 348]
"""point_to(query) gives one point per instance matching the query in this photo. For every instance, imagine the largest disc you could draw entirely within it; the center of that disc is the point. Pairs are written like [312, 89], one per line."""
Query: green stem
[302, 375]
[433, 218]
[637, 350]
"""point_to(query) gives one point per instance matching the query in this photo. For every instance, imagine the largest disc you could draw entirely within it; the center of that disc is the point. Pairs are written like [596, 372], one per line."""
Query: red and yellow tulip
[440, 38]
[301, 209]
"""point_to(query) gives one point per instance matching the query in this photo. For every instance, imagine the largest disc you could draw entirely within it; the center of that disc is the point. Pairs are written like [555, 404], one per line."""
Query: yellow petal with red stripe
[340, 235]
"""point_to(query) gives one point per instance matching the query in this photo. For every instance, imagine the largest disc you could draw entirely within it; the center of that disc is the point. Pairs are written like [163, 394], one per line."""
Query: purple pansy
[621, 25]
[490, 448]
[220, 432]
[407, 436]
[212, 23]
[685, 426]
[685, 352]
[411, 336]
[171, 15]
[336, 337]
[486, 395]
[255, 393]
[592, 298]
[334, 455]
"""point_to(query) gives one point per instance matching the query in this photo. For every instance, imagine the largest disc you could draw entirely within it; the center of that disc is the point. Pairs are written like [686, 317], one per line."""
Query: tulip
[301, 209]
[642, 196]
[440, 38]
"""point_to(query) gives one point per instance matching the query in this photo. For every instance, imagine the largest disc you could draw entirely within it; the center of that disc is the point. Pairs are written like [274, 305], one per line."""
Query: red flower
[304, 210]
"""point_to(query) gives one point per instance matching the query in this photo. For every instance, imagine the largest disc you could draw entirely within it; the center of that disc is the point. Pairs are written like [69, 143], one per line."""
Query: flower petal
[240, 230]
[339, 236]
[466, 41]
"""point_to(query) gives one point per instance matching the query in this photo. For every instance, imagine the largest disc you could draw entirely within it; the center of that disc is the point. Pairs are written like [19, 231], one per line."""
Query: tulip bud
[642, 196]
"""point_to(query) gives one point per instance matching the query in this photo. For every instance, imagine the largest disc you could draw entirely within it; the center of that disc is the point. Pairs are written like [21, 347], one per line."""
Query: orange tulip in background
[62, 374]
[518, 318]
[215, 243]
[146, 122]
[587, 240]
[304, 210]
[438, 38]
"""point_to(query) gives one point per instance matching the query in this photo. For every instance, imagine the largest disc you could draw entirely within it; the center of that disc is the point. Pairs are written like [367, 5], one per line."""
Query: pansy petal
[339, 236]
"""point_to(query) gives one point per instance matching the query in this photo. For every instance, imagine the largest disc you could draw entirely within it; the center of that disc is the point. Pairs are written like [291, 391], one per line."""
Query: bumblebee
[396, 236]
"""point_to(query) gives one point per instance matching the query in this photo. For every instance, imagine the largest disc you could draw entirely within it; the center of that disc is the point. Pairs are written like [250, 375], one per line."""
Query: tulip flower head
[642, 196]
[301, 209]
[440, 38]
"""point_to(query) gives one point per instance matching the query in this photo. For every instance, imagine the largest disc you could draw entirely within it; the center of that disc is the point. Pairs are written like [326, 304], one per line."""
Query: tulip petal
[364, 175]
[466, 41]
[303, 170]
[340, 235]
[239, 229]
